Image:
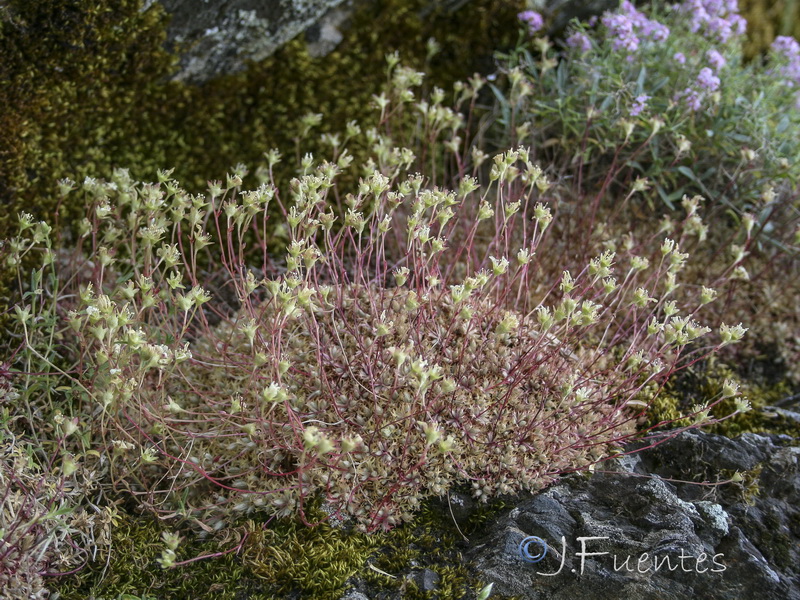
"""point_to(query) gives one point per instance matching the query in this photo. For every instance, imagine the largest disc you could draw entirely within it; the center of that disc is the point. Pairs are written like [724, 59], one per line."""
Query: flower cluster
[628, 26]
[44, 527]
[715, 59]
[579, 40]
[719, 19]
[787, 52]
[532, 19]
[367, 365]
[706, 80]
[638, 114]
[639, 104]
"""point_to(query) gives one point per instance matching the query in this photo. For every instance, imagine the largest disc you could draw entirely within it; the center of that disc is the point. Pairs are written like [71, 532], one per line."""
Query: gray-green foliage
[577, 106]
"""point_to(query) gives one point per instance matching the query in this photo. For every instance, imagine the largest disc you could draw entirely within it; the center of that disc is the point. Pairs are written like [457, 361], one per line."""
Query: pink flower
[692, 99]
[580, 41]
[638, 104]
[716, 60]
[717, 18]
[707, 80]
[532, 19]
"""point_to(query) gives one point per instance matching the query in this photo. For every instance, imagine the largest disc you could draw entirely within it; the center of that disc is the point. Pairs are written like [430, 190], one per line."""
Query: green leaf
[64, 510]
[660, 84]
[640, 80]
[664, 197]
[740, 137]
[561, 76]
[484, 593]
[687, 172]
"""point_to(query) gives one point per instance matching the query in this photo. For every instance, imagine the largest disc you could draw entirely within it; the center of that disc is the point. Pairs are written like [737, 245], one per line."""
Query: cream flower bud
[485, 211]
[641, 298]
[401, 276]
[447, 445]
[707, 295]
[499, 266]
[447, 385]
[509, 323]
[567, 282]
[730, 388]
[431, 431]
[731, 334]
[542, 215]
[68, 465]
[399, 355]
[639, 263]
[740, 273]
[609, 285]
[748, 220]
[544, 317]
[654, 327]
[412, 301]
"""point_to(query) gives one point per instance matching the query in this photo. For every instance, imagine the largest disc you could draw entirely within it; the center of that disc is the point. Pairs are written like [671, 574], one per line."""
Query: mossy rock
[86, 87]
[703, 383]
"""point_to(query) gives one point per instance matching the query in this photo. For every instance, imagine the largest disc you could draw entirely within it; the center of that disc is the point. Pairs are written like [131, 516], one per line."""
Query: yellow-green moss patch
[279, 557]
[702, 384]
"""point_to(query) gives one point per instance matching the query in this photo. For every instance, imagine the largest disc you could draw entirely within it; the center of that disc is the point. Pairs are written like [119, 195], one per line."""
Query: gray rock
[459, 506]
[354, 595]
[323, 36]
[425, 579]
[561, 12]
[630, 532]
[635, 530]
[217, 37]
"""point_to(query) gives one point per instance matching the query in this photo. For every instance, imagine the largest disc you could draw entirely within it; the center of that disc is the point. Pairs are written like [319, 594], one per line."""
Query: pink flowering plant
[660, 100]
[664, 93]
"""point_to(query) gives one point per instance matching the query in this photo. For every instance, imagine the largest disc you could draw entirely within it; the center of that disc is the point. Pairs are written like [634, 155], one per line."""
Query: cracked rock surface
[647, 533]
[217, 37]
[630, 532]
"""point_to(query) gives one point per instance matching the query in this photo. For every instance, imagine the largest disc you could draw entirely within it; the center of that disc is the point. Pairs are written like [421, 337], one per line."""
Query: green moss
[132, 568]
[279, 557]
[73, 74]
[433, 541]
[85, 88]
[274, 560]
[315, 561]
[703, 384]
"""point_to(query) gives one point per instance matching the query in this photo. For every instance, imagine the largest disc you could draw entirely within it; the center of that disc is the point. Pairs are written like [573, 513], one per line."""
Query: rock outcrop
[215, 37]
[638, 531]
